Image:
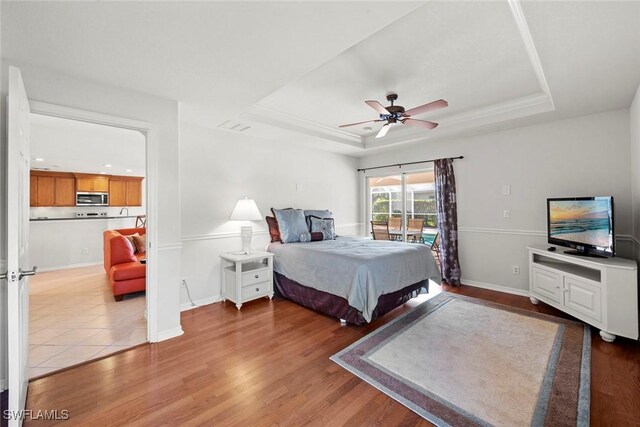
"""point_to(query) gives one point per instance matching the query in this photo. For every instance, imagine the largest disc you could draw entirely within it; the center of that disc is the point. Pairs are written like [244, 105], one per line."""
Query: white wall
[576, 157]
[218, 167]
[55, 245]
[634, 114]
[86, 95]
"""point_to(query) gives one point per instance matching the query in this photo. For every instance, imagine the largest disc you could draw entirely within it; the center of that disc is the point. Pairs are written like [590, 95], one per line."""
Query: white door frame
[150, 131]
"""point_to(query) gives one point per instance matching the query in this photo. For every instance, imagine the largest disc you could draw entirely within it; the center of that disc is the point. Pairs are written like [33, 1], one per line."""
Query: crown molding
[271, 117]
[530, 47]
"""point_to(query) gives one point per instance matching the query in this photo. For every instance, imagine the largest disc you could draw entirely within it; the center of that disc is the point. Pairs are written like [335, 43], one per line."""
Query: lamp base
[246, 232]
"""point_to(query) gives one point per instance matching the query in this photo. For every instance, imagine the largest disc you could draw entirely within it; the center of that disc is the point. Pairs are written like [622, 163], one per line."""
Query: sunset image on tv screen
[581, 221]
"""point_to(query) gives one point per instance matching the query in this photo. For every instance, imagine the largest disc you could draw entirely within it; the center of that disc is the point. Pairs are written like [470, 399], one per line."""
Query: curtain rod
[404, 164]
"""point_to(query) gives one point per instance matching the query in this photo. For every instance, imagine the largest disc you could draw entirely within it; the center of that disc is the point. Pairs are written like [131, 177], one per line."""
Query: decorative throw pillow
[305, 237]
[130, 239]
[291, 224]
[325, 226]
[317, 213]
[140, 243]
[274, 232]
[316, 236]
[121, 250]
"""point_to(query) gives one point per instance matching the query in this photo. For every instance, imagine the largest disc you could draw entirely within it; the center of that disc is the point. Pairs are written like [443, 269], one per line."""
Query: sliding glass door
[420, 212]
[406, 202]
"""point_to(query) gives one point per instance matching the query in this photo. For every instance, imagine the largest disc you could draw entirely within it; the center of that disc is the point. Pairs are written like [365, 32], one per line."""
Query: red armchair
[123, 267]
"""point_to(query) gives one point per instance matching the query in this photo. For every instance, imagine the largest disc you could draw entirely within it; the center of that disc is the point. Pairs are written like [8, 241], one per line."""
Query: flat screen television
[582, 223]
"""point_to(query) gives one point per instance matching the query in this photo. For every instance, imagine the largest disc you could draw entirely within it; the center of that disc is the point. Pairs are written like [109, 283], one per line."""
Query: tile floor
[74, 318]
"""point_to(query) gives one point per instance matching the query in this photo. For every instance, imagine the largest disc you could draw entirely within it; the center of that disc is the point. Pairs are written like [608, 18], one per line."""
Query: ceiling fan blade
[440, 103]
[424, 124]
[377, 106]
[383, 130]
[360, 123]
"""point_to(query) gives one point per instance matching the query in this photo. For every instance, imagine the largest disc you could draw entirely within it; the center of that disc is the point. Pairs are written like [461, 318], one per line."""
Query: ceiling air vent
[235, 126]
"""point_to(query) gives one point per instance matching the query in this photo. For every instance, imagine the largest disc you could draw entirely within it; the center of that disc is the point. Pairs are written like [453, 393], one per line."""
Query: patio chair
[416, 225]
[395, 224]
[435, 250]
[141, 221]
[380, 230]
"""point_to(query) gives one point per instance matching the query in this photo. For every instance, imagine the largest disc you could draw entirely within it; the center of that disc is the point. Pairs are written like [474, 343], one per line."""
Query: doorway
[78, 311]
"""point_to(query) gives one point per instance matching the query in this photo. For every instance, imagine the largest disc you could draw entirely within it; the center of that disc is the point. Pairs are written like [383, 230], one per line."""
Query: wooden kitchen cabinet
[33, 190]
[64, 191]
[52, 189]
[92, 183]
[125, 191]
[43, 189]
[117, 192]
[59, 188]
[134, 192]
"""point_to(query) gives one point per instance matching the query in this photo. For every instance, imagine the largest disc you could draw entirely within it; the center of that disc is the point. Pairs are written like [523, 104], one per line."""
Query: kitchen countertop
[81, 218]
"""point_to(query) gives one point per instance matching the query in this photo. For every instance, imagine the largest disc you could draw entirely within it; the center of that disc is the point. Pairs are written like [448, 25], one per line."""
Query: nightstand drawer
[256, 290]
[255, 276]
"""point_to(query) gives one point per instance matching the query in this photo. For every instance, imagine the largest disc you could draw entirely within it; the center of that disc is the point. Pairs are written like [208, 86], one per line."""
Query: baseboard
[199, 303]
[66, 267]
[499, 288]
[171, 333]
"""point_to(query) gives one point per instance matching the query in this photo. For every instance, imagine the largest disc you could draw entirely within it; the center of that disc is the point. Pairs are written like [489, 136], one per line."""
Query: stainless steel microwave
[92, 199]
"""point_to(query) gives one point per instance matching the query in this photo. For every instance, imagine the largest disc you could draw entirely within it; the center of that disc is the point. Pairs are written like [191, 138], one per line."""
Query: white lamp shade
[246, 210]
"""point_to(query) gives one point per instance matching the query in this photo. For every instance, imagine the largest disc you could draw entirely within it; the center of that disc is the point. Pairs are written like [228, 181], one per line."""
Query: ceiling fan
[397, 114]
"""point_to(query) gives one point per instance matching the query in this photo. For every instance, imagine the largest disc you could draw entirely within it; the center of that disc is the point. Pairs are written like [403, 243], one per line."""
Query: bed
[353, 279]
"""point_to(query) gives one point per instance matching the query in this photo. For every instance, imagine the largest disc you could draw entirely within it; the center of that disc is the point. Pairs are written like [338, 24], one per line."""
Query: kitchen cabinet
[64, 191]
[59, 188]
[52, 189]
[117, 192]
[134, 192]
[92, 183]
[125, 191]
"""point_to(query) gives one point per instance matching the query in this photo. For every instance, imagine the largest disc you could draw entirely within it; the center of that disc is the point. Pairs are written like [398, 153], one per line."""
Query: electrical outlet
[515, 269]
[85, 251]
[183, 282]
[506, 190]
[506, 213]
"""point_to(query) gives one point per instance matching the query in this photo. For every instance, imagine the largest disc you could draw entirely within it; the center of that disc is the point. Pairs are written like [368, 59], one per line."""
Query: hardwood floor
[268, 364]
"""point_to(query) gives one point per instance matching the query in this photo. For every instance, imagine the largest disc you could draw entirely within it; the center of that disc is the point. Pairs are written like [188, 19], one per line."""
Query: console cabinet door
[546, 284]
[583, 298]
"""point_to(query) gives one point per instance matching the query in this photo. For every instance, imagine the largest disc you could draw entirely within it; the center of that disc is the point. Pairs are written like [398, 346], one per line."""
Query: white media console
[602, 292]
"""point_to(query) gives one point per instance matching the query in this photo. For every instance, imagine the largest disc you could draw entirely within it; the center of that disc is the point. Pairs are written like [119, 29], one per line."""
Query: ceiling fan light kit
[394, 114]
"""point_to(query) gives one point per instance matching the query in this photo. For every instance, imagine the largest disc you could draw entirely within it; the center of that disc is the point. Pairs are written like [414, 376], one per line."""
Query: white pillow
[291, 224]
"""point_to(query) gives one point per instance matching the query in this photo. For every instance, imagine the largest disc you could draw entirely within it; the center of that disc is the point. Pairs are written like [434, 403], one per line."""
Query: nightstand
[246, 277]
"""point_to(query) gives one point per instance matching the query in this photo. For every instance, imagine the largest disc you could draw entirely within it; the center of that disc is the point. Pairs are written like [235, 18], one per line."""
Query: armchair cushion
[128, 270]
[121, 250]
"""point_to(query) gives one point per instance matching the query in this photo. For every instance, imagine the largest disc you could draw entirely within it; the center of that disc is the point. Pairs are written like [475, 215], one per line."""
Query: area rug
[460, 361]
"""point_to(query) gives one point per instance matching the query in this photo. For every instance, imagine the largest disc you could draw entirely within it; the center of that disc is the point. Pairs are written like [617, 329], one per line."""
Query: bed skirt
[339, 307]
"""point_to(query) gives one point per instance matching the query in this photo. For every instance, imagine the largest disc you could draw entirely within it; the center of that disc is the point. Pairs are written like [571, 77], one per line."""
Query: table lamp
[246, 210]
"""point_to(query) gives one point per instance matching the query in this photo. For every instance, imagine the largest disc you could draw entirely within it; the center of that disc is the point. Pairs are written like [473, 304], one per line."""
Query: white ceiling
[296, 70]
[74, 146]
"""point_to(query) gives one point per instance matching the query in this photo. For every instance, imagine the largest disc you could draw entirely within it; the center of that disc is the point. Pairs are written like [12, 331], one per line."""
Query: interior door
[17, 244]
